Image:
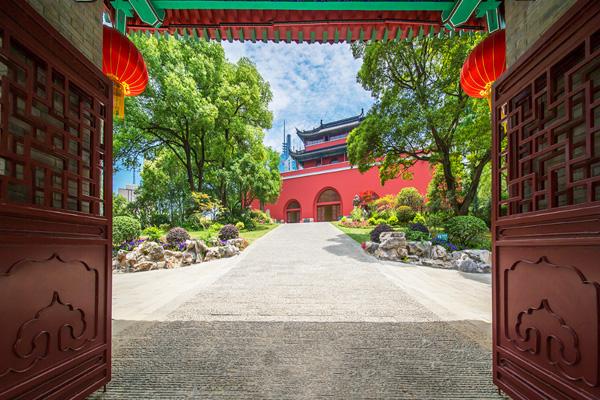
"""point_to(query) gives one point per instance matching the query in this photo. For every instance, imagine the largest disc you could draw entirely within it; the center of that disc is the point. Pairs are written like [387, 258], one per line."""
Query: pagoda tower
[325, 144]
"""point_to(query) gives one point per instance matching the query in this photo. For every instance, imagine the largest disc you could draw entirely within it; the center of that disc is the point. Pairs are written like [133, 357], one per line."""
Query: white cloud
[310, 83]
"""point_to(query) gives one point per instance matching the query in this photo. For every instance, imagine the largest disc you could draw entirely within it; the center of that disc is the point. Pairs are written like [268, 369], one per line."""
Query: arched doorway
[329, 205]
[292, 212]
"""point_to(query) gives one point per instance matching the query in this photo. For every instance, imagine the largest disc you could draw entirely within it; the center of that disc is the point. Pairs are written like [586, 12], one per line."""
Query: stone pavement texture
[303, 313]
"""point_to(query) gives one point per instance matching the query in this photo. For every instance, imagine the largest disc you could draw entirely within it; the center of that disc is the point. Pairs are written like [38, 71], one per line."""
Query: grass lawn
[358, 234]
[250, 236]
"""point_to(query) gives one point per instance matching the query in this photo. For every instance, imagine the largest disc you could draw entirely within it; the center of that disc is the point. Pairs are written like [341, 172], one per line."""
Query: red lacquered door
[546, 273]
[55, 202]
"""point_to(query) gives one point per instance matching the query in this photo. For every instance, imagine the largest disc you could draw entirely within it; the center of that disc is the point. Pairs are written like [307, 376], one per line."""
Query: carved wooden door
[55, 202]
[546, 275]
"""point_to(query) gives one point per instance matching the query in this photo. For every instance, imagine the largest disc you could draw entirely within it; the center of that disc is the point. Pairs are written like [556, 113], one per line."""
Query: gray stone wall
[79, 23]
[527, 20]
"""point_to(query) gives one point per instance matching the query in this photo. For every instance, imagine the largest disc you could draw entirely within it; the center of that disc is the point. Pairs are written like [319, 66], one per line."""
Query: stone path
[301, 314]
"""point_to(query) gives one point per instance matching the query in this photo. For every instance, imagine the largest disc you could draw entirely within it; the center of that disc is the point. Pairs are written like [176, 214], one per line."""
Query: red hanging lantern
[124, 65]
[484, 65]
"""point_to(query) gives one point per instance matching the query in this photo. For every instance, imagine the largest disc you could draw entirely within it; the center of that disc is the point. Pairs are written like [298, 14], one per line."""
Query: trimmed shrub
[393, 220]
[357, 214]
[125, 229]
[153, 233]
[343, 220]
[240, 225]
[466, 231]
[410, 197]
[177, 235]
[385, 204]
[416, 236]
[378, 230]
[372, 221]
[405, 214]
[228, 232]
[260, 217]
[419, 219]
[380, 221]
[418, 228]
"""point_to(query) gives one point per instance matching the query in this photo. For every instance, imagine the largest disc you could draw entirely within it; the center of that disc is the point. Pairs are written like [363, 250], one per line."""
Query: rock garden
[177, 249]
[404, 228]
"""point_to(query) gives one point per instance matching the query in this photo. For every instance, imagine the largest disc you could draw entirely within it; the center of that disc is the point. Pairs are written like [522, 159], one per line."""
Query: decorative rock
[212, 254]
[392, 243]
[239, 243]
[201, 247]
[187, 258]
[388, 235]
[439, 253]
[152, 251]
[371, 247]
[396, 254]
[420, 249]
[130, 259]
[144, 266]
[122, 258]
[228, 251]
[484, 256]
[436, 263]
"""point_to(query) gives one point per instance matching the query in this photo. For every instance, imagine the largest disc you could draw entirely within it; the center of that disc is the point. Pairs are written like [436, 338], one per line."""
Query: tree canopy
[199, 127]
[422, 114]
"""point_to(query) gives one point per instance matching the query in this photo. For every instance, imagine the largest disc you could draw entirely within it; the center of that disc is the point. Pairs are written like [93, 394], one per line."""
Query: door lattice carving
[549, 148]
[52, 135]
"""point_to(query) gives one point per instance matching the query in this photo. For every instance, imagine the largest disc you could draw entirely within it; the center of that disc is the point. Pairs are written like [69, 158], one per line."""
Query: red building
[323, 187]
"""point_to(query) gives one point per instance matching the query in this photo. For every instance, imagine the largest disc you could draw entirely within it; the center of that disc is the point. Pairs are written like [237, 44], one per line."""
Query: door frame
[39, 239]
[553, 240]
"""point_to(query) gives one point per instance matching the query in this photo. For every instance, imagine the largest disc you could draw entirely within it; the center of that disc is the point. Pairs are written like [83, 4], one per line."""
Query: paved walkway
[303, 313]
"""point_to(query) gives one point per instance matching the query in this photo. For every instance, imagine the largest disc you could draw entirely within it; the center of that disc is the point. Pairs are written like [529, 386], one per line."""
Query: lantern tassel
[118, 101]
[120, 90]
[487, 93]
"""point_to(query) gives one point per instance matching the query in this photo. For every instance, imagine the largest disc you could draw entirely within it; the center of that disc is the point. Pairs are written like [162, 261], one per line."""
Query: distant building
[323, 184]
[286, 162]
[128, 192]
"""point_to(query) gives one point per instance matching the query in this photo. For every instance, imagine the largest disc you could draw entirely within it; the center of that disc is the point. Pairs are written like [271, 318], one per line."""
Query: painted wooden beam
[304, 5]
[148, 12]
[459, 13]
[123, 10]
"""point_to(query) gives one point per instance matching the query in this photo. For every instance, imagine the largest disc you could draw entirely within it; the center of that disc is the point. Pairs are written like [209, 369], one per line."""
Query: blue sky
[310, 83]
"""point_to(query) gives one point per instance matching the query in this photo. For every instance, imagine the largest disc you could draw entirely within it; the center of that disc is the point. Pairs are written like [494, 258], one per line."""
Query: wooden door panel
[55, 201]
[546, 217]
[548, 313]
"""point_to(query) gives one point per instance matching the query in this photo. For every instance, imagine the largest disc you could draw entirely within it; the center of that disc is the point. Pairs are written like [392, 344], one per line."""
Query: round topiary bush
[229, 232]
[125, 229]
[378, 230]
[405, 214]
[411, 197]
[177, 235]
[465, 230]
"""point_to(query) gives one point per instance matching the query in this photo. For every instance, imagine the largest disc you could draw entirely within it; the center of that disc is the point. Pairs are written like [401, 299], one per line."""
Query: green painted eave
[305, 5]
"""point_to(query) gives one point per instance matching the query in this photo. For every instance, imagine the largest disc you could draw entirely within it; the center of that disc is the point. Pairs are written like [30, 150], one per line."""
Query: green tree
[422, 114]
[120, 206]
[163, 195]
[197, 106]
[198, 125]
